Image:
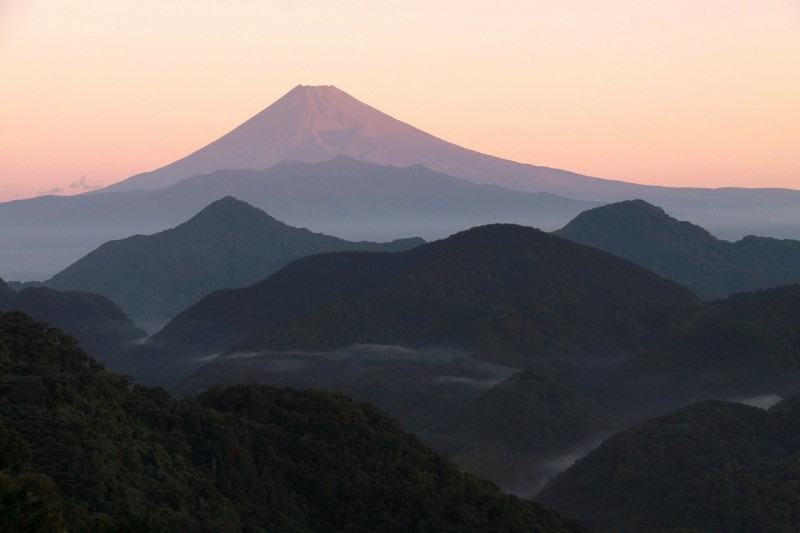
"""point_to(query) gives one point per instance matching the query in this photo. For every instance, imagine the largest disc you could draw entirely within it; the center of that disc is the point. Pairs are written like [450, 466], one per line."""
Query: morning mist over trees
[399, 267]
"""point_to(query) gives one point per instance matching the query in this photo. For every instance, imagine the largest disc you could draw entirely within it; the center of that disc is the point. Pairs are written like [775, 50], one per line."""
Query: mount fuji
[313, 124]
[321, 159]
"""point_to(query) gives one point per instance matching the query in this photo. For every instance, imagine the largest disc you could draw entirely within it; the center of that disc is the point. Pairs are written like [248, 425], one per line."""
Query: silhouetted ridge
[496, 288]
[228, 244]
[684, 252]
[6, 292]
[230, 210]
[101, 327]
[623, 223]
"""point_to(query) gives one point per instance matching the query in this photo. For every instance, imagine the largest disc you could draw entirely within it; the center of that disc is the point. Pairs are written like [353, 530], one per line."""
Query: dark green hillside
[497, 289]
[81, 448]
[530, 413]
[746, 345]
[713, 466]
[228, 244]
[508, 292]
[6, 293]
[684, 252]
[102, 329]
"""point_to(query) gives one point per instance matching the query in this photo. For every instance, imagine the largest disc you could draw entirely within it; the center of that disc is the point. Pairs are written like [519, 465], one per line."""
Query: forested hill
[228, 244]
[746, 345]
[82, 450]
[713, 466]
[6, 292]
[684, 252]
[101, 327]
[496, 289]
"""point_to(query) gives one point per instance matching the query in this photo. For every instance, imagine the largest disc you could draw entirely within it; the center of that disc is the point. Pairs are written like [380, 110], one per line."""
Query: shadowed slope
[687, 253]
[228, 244]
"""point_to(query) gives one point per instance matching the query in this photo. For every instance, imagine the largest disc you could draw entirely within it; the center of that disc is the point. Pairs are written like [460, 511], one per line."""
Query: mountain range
[81, 449]
[228, 244]
[504, 291]
[313, 125]
[354, 200]
[429, 333]
[316, 123]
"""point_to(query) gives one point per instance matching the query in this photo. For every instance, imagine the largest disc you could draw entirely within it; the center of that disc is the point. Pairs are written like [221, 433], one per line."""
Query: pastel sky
[678, 92]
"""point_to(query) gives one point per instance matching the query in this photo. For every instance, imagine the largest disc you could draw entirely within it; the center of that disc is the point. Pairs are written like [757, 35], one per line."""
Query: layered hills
[426, 332]
[99, 325]
[508, 292]
[40, 236]
[684, 252]
[80, 449]
[317, 123]
[228, 244]
[345, 197]
[501, 290]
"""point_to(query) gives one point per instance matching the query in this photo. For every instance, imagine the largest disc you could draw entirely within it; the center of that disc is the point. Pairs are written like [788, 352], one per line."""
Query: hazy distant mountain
[313, 124]
[228, 244]
[684, 252]
[364, 200]
[713, 466]
[101, 327]
[345, 197]
[42, 235]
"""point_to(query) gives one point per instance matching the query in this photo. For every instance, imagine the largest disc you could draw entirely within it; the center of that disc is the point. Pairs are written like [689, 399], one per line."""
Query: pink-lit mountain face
[316, 123]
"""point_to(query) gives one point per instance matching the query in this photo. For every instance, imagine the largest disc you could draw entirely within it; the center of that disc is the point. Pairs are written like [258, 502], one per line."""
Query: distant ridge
[316, 123]
[684, 252]
[508, 292]
[100, 326]
[228, 244]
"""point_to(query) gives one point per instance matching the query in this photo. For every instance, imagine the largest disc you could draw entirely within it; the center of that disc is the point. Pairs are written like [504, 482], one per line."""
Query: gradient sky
[678, 92]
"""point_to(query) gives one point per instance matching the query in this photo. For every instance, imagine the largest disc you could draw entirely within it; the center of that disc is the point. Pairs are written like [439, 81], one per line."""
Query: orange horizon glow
[680, 93]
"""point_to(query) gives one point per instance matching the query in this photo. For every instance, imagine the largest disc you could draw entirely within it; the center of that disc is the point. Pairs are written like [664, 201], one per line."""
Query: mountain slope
[316, 123]
[101, 328]
[510, 293]
[497, 289]
[248, 458]
[228, 244]
[364, 200]
[745, 346]
[6, 293]
[345, 197]
[713, 466]
[684, 252]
